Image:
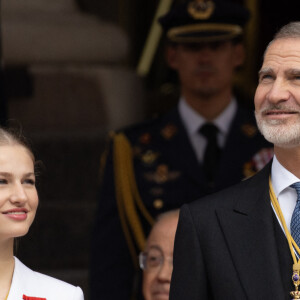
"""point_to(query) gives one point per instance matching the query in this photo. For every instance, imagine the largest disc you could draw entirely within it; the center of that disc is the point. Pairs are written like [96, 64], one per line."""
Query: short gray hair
[290, 30]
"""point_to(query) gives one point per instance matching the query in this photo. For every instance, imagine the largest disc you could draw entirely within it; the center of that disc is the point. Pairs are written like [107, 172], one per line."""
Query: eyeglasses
[153, 259]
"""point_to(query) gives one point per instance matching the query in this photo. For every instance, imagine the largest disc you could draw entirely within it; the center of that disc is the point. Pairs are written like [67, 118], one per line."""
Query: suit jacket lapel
[22, 282]
[18, 283]
[255, 254]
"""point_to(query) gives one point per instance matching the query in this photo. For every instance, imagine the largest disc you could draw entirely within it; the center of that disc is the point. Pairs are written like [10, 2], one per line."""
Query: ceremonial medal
[257, 162]
[249, 130]
[292, 244]
[149, 157]
[169, 131]
[145, 138]
[162, 174]
[296, 280]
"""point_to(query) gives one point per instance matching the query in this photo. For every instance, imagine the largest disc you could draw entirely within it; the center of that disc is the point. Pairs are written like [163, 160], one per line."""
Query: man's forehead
[283, 53]
[284, 47]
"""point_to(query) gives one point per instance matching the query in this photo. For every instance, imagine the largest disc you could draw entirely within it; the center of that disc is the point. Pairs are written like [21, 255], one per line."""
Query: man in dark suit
[206, 143]
[242, 242]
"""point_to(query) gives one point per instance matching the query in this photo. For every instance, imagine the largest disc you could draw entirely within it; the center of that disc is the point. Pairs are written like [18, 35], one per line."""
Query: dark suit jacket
[112, 269]
[229, 246]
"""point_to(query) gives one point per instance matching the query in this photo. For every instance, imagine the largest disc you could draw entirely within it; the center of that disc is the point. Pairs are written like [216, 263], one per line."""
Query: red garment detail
[32, 298]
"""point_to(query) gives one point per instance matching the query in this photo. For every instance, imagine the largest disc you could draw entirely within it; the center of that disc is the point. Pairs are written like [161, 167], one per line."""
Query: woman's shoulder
[34, 284]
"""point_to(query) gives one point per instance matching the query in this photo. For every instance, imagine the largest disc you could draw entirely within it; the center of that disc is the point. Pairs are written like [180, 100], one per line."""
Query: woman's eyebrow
[6, 174]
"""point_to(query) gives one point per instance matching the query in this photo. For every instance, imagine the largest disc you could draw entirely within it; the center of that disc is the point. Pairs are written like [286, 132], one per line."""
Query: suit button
[158, 203]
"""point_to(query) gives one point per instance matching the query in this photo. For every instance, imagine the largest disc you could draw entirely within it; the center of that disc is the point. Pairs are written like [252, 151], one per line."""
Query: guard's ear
[239, 55]
[171, 56]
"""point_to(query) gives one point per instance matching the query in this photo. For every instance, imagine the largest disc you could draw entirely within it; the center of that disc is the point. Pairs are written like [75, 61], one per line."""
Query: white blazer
[33, 284]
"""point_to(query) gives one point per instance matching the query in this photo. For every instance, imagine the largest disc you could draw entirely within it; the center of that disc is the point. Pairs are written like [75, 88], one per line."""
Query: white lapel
[34, 284]
[21, 282]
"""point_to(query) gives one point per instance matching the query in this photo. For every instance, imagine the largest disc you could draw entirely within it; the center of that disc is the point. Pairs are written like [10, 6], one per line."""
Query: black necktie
[212, 151]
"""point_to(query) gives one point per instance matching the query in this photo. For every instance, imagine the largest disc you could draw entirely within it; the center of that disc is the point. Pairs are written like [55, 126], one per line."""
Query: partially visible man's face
[277, 97]
[205, 68]
[160, 244]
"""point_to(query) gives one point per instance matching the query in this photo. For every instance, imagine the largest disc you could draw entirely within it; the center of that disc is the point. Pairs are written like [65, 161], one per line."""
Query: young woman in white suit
[18, 205]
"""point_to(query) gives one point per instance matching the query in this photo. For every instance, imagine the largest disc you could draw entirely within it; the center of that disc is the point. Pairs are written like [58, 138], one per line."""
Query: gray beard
[279, 132]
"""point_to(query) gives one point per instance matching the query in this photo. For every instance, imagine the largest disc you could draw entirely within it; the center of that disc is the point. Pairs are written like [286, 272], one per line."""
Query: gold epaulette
[130, 205]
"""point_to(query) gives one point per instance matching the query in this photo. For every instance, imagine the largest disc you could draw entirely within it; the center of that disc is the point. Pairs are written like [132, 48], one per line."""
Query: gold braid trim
[128, 197]
[123, 153]
[136, 195]
[126, 230]
[120, 203]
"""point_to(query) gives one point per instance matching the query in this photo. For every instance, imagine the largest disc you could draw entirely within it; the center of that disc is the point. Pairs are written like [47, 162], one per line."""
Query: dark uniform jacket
[230, 246]
[164, 175]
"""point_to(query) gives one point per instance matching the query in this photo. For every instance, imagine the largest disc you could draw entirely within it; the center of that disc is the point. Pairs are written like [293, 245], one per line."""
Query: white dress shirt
[287, 196]
[193, 121]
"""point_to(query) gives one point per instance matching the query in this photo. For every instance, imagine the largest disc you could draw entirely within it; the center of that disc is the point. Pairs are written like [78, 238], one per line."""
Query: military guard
[206, 143]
